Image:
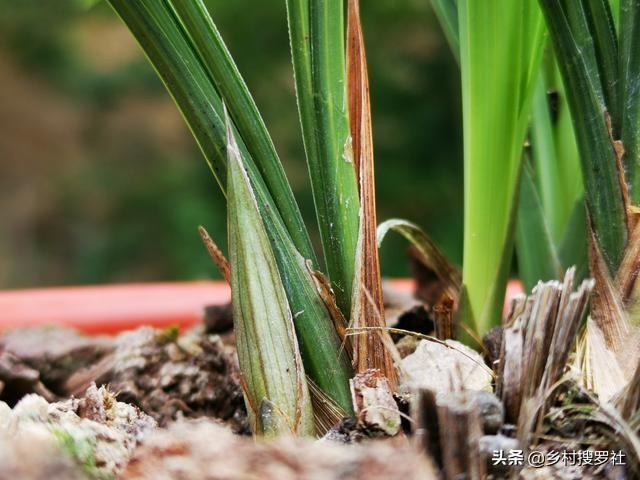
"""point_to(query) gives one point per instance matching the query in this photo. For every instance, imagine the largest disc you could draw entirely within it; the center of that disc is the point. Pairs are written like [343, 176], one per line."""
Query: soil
[166, 375]
[153, 404]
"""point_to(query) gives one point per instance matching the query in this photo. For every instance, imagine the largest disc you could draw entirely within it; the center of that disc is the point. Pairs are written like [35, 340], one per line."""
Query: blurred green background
[100, 181]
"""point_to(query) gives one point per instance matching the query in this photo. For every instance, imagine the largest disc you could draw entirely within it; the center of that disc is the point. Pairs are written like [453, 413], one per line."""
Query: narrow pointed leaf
[316, 29]
[189, 78]
[163, 40]
[367, 308]
[537, 257]
[600, 21]
[567, 154]
[546, 162]
[208, 43]
[273, 377]
[572, 249]
[507, 36]
[324, 357]
[430, 255]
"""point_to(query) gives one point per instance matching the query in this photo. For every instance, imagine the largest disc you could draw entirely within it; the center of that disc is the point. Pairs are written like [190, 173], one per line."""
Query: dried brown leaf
[326, 412]
[607, 308]
[619, 150]
[630, 266]
[427, 253]
[323, 286]
[369, 349]
[216, 254]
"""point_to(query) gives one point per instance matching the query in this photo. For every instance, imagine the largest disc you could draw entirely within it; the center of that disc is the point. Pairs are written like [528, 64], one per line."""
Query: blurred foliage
[100, 181]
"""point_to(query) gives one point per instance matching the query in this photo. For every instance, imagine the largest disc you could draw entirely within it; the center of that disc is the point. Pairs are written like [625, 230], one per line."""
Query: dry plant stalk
[445, 325]
[426, 428]
[367, 305]
[460, 431]
[448, 428]
[539, 334]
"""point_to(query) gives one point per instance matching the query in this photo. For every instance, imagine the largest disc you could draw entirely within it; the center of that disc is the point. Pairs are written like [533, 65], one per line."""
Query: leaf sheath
[274, 382]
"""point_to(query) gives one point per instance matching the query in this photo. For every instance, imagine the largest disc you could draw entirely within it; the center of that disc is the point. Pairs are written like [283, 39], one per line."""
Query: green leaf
[630, 87]
[316, 29]
[447, 13]
[169, 50]
[572, 249]
[537, 256]
[189, 79]
[274, 382]
[546, 163]
[500, 51]
[554, 150]
[325, 359]
[547, 220]
[216, 59]
[573, 41]
[566, 149]
[600, 22]
[615, 11]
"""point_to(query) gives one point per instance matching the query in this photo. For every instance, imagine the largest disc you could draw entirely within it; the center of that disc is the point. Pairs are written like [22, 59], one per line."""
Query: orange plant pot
[109, 309]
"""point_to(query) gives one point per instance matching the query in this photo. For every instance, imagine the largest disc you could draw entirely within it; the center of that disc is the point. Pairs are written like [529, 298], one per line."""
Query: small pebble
[491, 411]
